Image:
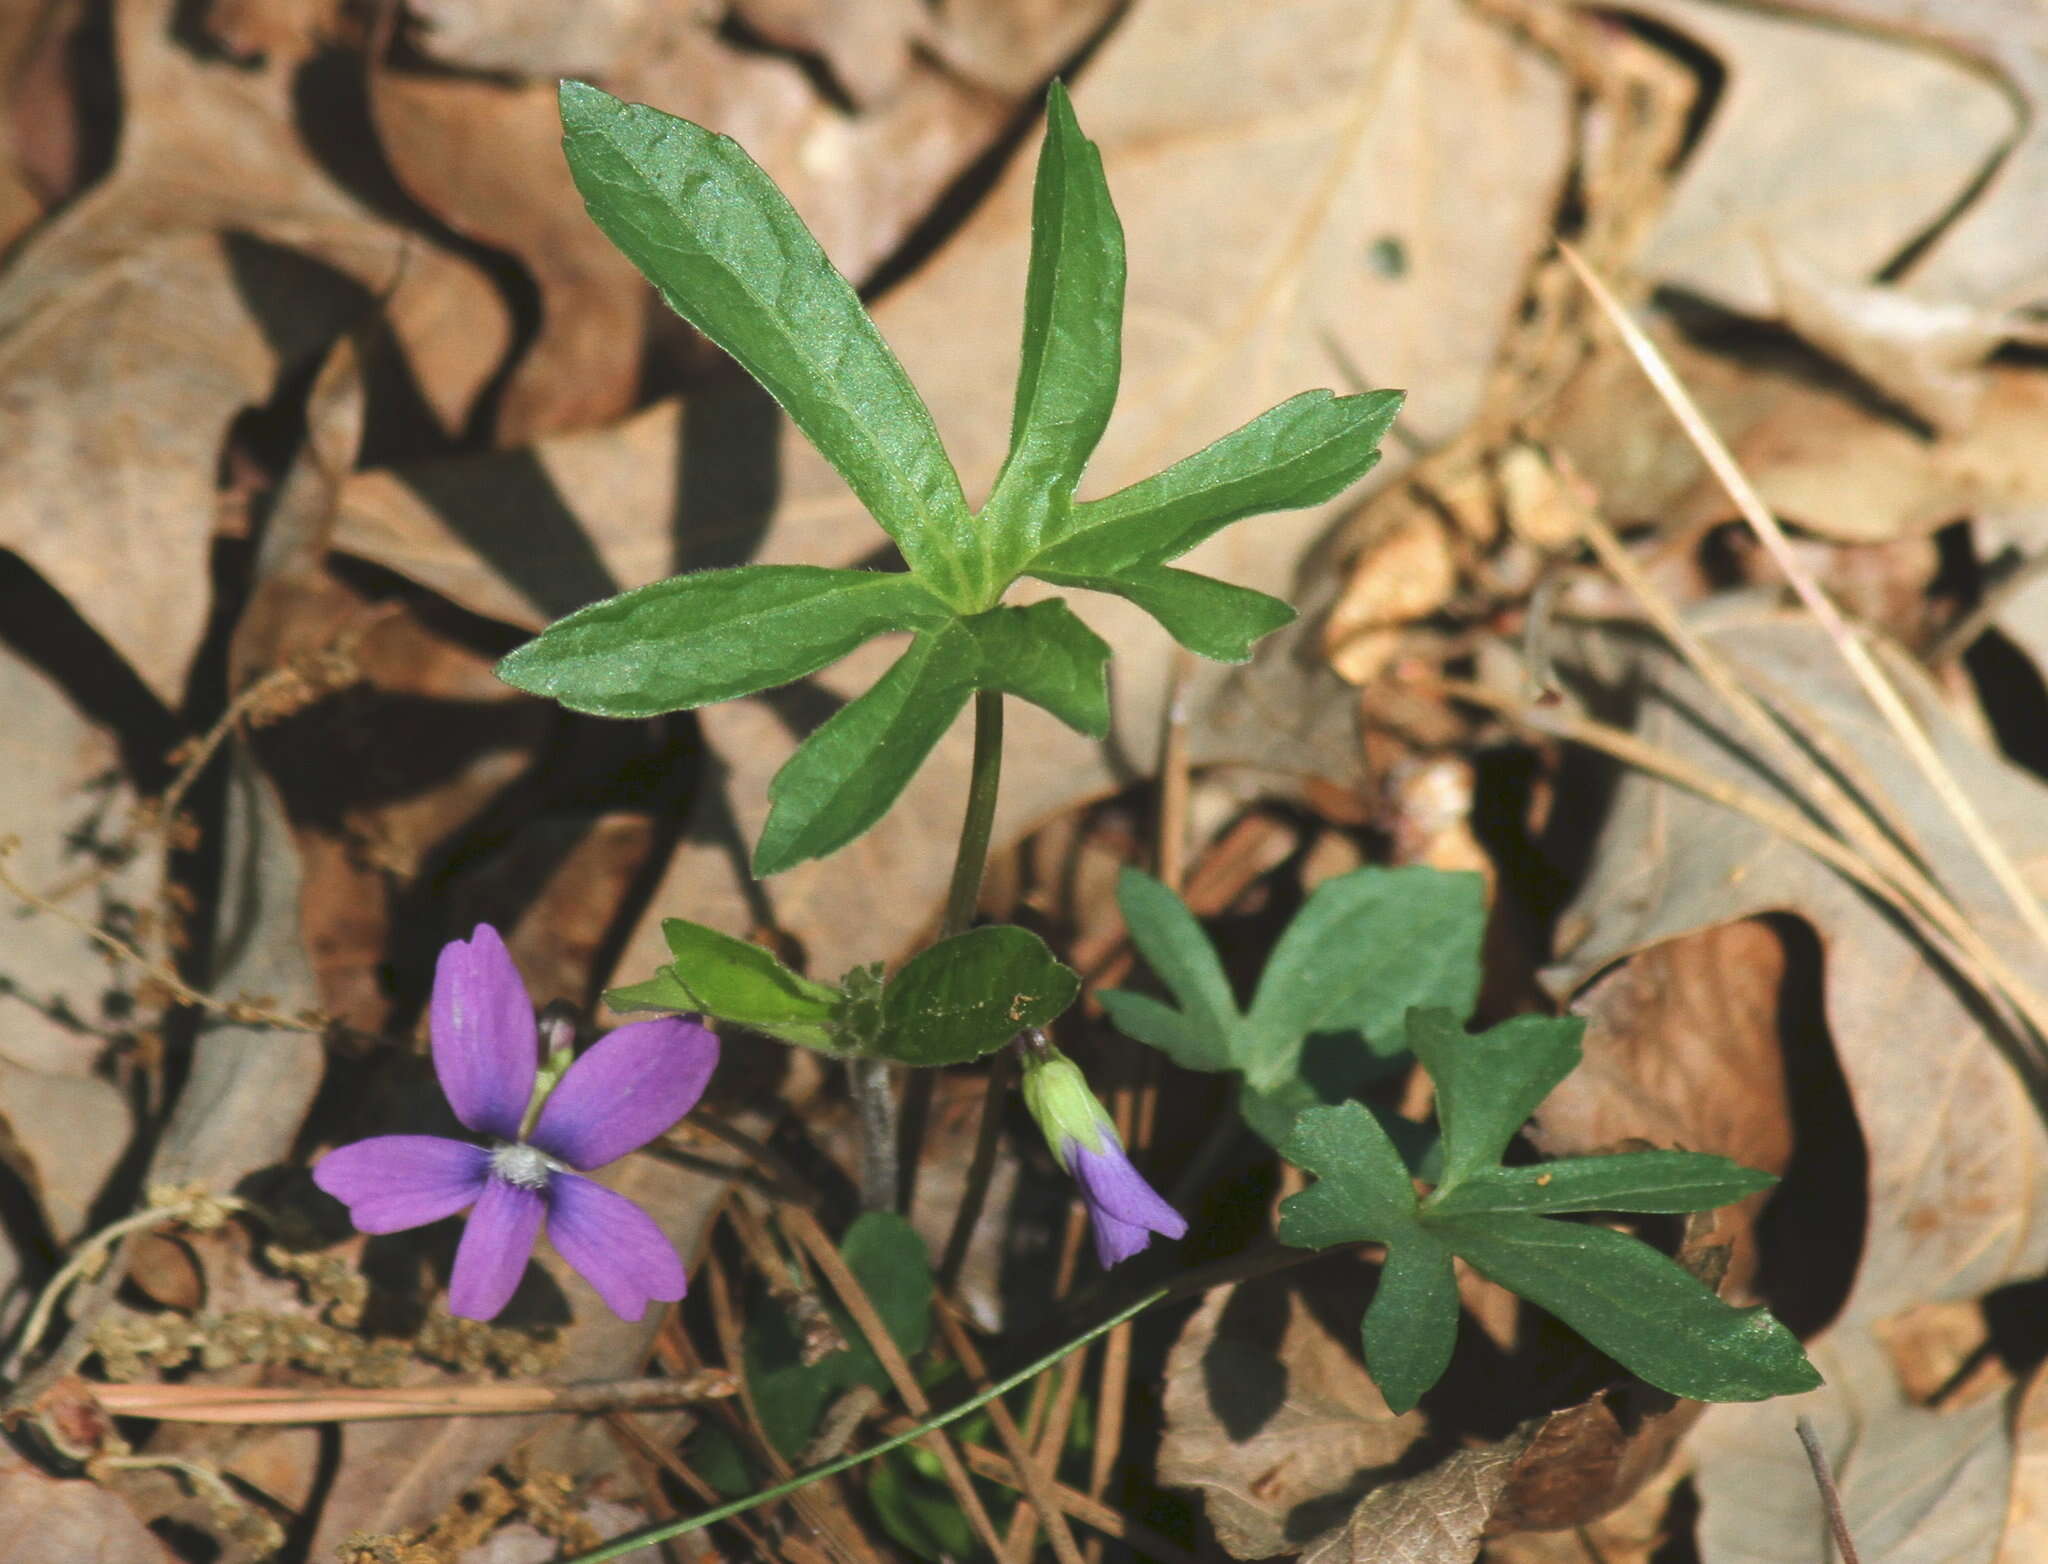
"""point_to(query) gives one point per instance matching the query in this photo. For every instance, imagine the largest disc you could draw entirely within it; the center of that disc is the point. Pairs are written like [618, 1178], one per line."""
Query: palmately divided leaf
[1487, 1085]
[844, 777]
[1362, 1192]
[1650, 1181]
[1643, 1310]
[713, 636]
[1365, 948]
[1411, 1325]
[1043, 654]
[713, 233]
[1305, 451]
[968, 995]
[1073, 336]
[1209, 617]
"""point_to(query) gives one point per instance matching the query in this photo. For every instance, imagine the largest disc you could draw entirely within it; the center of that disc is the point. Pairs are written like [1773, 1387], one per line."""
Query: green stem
[642, 1539]
[978, 823]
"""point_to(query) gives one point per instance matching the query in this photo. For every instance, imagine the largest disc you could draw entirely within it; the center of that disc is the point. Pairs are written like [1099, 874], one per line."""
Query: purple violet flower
[1126, 1211]
[628, 1088]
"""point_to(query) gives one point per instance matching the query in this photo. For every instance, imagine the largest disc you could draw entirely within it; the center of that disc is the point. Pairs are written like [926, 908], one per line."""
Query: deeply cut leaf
[969, 995]
[713, 636]
[1650, 1181]
[1043, 654]
[844, 777]
[709, 229]
[1073, 336]
[1627, 1299]
[1640, 1308]
[1209, 617]
[1328, 1016]
[1305, 451]
[1488, 1085]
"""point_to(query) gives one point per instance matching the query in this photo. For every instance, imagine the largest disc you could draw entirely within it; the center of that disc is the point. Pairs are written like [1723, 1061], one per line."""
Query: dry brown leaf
[1958, 1156]
[1273, 1419]
[1435, 1518]
[1925, 354]
[1842, 146]
[68, 1521]
[2026, 1516]
[1917, 1487]
[1990, 253]
[1682, 1051]
[486, 159]
[1014, 45]
[138, 322]
[870, 45]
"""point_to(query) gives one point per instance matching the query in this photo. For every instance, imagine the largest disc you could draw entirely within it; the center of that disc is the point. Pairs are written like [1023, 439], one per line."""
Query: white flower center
[524, 1165]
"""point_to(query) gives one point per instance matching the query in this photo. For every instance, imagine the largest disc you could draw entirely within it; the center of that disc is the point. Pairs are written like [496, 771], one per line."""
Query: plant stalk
[978, 824]
[873, 1089]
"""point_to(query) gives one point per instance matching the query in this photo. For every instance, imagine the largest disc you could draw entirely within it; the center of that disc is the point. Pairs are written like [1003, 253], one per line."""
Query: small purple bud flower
[1125, 1209]
[630, 1087]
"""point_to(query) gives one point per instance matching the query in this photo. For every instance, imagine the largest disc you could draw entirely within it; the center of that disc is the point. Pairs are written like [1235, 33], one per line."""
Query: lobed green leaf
[968, 995]
[1640, 1308]
[1411, 1325]
[1073, 336]
[1043, 654]
[1209, 617]
[1651, 1181]
[1488, 1085]
[1362, 1191]
[1305, 451]
[713, 636]
[712, 232]
[1365, 948]
[847, 773]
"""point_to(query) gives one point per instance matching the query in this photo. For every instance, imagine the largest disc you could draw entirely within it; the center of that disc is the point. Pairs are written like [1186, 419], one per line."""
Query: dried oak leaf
[138, 322]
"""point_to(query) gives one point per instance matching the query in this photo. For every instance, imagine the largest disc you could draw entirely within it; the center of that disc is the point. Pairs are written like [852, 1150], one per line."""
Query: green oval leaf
[969, 995]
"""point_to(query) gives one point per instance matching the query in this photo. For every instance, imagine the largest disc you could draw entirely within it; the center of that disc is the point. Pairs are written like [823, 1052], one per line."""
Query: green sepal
[713, 636]
[712, 232]
[968, 995]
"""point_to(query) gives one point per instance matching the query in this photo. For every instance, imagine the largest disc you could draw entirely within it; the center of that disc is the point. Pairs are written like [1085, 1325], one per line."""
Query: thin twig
[229, 1404]
[202, 1210]
[804, 1228]
[241, 1011]
[1038, 1485]
[1830, 1495]
[1109, 1522]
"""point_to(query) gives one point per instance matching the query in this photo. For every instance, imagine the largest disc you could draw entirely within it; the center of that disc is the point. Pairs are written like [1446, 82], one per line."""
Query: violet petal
[494, 1249]
[486, 1045]
[392, 1182]
[635, 1083]
[614, 1245]
[1126, 1210]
